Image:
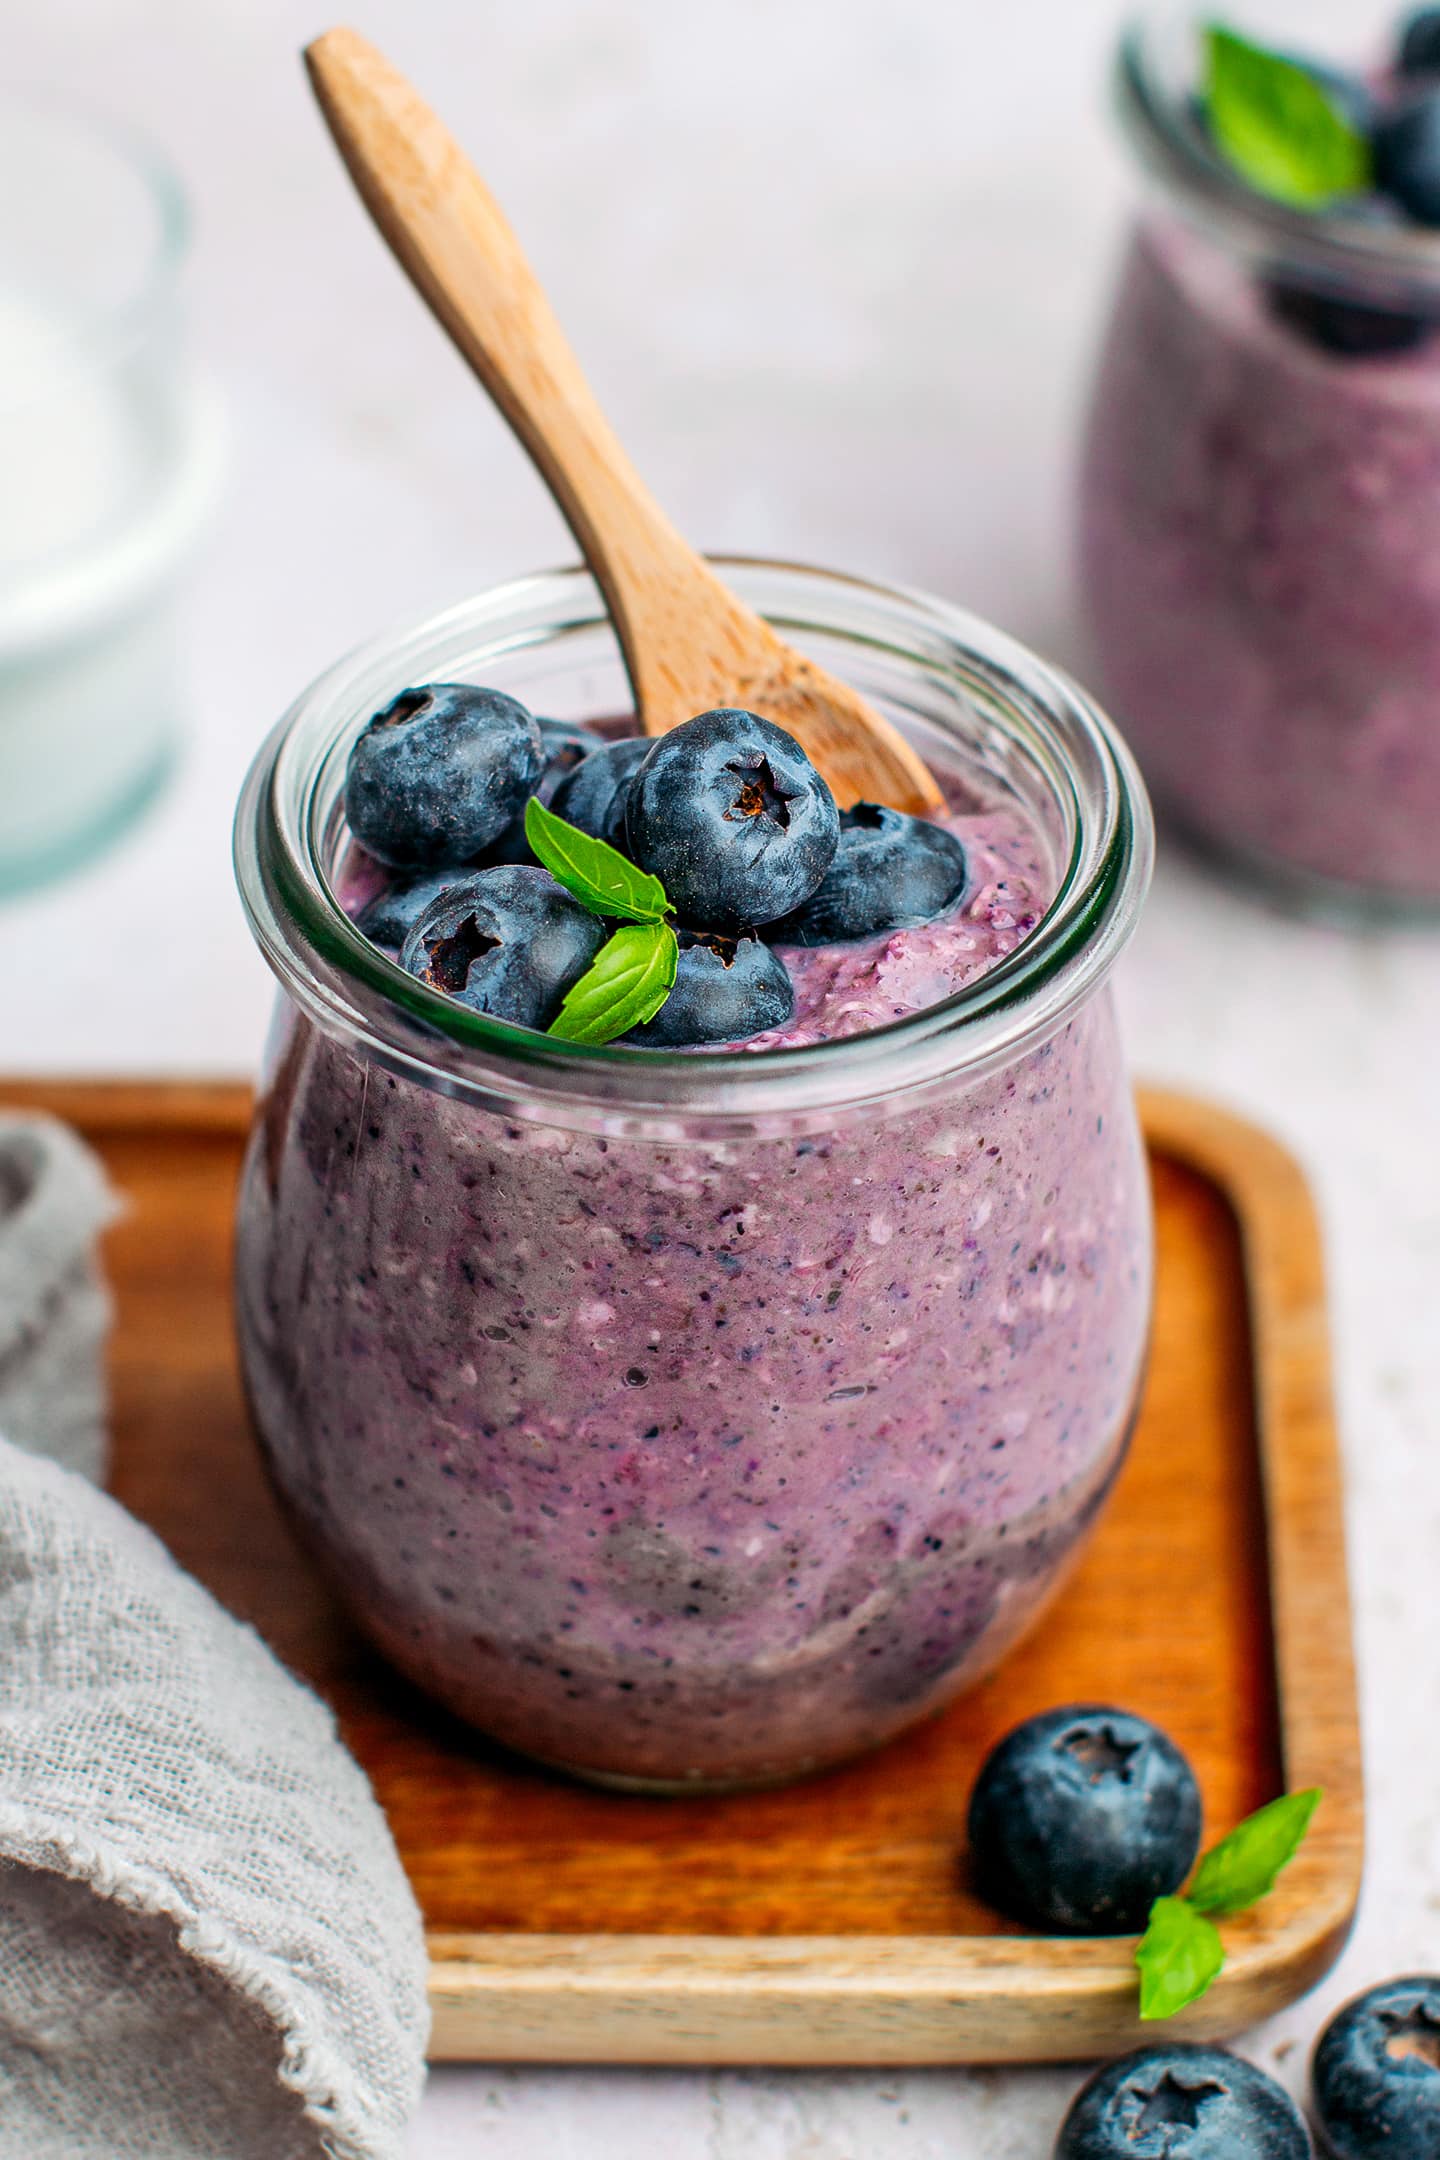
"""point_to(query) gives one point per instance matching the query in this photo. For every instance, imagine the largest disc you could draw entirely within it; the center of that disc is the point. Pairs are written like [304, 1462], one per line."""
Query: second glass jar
[1260, 510]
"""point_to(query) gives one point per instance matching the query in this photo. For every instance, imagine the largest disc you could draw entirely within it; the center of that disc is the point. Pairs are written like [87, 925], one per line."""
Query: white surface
[835, 269]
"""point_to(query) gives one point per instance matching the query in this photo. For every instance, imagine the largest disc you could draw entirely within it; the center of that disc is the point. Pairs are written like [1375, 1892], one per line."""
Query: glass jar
[1260, 507]
[107, 459]
[697, 1419]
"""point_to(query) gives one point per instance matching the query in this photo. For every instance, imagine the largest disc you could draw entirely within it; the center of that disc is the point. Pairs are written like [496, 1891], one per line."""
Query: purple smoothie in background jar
[700, 1418]
[1260, 507]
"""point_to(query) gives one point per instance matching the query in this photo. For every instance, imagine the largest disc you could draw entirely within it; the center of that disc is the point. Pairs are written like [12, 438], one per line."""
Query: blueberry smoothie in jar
[1260, 500]
[694, 1333]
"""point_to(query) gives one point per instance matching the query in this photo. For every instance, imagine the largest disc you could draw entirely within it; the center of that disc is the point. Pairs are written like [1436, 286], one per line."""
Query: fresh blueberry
[509, 942]
[1181, 2102]
[726, 990]
[1377, 2073]
[1419, 52]
[1406, 143]
[564, 744]
[732, 817]
[440, 773]
[390, 916]
[1350, 328]
[595, 794]
[1081, 1818]
[891, 872]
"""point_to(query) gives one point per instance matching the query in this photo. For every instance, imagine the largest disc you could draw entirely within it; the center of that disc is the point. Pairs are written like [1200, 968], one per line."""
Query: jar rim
[351, 989]
[1154, 82]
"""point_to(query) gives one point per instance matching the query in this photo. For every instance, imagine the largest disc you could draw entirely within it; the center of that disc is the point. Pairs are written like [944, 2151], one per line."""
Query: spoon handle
[448, 234]
[689, 643]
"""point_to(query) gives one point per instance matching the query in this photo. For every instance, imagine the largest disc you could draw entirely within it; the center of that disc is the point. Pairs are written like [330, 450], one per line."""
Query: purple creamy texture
[706, 1461]
[1260, 566]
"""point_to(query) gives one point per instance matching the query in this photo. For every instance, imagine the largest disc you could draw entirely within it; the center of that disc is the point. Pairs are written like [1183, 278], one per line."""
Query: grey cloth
[208, 1948]
[54, 1309]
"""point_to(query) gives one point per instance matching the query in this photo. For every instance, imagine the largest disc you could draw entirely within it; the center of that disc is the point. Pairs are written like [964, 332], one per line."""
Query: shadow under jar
[1259, 519]
[696, 1419]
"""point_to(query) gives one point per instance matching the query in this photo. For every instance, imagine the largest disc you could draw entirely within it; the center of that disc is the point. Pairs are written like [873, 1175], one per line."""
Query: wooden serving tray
[831, 1922]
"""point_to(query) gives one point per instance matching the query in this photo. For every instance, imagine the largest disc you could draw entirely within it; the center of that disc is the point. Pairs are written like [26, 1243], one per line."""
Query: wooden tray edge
[925, 1999]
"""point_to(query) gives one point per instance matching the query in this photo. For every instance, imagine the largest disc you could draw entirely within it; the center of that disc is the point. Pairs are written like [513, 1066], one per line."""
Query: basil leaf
[1276, 124]
[1179, 1955]
[1243, 1866]
[596, 873]
[625, 985]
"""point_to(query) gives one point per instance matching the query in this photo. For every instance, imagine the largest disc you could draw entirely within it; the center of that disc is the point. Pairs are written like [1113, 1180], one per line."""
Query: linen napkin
[208, 1948]
[54, 1308]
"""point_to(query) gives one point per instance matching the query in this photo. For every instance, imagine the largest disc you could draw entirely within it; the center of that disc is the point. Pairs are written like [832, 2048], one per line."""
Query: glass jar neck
[959, 688]
[1157, 85]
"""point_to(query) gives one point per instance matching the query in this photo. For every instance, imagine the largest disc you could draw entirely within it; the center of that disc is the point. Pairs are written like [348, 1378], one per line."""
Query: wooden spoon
[689, 644]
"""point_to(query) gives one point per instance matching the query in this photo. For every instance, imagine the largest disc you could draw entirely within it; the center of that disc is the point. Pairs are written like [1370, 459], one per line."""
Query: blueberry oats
[815, 1422]
[718, 1367]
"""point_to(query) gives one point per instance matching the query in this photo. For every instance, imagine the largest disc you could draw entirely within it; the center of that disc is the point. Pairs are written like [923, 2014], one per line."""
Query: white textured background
[836, 267]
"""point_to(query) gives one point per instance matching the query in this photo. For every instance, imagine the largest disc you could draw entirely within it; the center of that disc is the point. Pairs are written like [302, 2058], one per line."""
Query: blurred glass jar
[1259, 552]
[106, 464]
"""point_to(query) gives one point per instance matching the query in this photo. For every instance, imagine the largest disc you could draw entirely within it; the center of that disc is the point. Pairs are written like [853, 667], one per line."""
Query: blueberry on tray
[440, 773]
[1182, 2103]
[890, 872]
[1376, 2074]
[732, 817]
[726, 990]
[1081, 1818]
[509, 942]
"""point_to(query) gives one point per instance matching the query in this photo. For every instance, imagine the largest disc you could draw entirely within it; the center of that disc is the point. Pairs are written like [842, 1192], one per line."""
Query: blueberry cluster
[726, 811]
[1079, 1819]
[1395, 118]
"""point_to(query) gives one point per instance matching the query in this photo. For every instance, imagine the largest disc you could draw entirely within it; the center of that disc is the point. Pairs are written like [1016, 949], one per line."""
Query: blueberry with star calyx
[439, 773]
[726, 990]
[564, 744]
[1081, 1818]
[509, 942]
[1182, 2103]
[594, 795]
[891, 872]
[732, 817]
[1376, 2073]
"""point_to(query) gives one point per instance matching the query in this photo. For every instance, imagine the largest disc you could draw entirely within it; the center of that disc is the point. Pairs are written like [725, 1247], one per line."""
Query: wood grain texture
[689, 643]
[831, 1921]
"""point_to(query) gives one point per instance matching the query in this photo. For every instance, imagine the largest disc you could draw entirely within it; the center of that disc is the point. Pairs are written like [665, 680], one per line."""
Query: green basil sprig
[600, 877]
[634, 971]
[1277, 124]
[1181, 1952]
